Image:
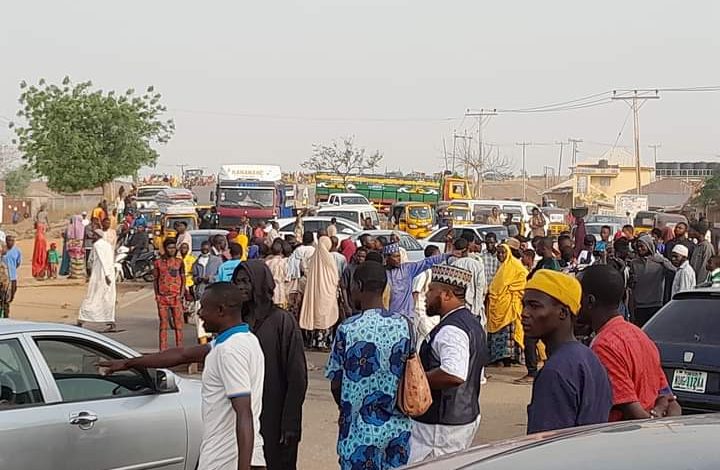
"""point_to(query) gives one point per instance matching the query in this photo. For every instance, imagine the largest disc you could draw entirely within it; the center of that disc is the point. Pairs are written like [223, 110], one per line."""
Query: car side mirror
[165, 381]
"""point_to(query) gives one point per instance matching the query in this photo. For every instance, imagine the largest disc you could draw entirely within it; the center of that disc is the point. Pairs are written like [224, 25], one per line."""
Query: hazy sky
[397, 74]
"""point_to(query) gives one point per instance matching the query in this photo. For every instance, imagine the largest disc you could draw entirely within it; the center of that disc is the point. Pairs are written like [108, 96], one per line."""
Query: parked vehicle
[687, 333]
[439, 236]
[457, 211]
[145, 198]
[53, 392]
[345, 228]
[414, 249]
[343, 199]
[253, 191]
[595, 228]
[557, 218]
[202, 235]
[383, 191]
[169, 216]
[607, 219]
[355, 214]
[686, 442]
[175, 197]
[415, 218]
[127, 268]
[521, 210]
[645, 221]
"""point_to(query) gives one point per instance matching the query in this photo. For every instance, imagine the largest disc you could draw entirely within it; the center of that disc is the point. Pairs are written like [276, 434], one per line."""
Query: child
[188, 299]
[528, 259]
[53, 260]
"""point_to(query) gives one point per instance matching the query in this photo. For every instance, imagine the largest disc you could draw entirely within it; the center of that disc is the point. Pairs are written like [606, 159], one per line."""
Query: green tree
[709, 195]
[342, 158]
[17, 181]
[79, 138]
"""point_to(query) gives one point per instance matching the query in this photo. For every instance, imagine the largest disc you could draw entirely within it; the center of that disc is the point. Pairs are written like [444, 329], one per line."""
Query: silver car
[58, 410]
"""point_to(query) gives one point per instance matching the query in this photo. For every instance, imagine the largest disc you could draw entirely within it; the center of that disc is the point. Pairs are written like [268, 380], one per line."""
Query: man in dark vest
[453, 355]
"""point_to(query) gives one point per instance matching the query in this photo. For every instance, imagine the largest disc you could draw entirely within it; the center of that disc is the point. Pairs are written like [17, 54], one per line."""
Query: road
[503, 403]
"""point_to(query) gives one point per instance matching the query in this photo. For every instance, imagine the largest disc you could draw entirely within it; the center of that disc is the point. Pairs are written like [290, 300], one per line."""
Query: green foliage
[79, 138]
[18, 180]
[342, 158]
[709, 195]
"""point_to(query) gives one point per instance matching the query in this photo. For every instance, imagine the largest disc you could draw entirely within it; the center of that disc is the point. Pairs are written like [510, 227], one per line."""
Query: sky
[261, 82]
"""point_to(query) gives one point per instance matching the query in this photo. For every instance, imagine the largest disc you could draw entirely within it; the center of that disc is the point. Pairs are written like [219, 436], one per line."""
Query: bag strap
[413, 336]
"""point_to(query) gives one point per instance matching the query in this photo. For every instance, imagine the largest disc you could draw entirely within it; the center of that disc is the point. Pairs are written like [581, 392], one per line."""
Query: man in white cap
[453, 356]
[685, 274]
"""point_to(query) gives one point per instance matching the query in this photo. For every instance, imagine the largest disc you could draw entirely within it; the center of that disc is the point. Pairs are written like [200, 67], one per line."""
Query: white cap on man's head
[681, 250]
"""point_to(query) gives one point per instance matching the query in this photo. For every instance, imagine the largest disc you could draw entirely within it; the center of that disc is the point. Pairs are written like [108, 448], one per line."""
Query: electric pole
[466, 147]
[480, 115]
[655, 147]
[574, 143]
[562, 146]
[455, 136]
[524, 173]
[636, 99]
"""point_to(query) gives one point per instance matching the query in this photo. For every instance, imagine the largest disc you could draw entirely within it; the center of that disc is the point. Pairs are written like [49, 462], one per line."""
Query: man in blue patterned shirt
[365, 366]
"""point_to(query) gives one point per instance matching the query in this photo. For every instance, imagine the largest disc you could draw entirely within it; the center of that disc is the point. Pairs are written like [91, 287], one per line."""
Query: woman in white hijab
[319, 312]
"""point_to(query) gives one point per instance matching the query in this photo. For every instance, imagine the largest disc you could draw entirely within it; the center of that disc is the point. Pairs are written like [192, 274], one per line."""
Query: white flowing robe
[99, 303]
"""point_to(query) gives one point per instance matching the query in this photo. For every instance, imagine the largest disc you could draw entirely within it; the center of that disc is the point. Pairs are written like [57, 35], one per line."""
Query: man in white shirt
[685, 274]
[423, 323]
[232, 381]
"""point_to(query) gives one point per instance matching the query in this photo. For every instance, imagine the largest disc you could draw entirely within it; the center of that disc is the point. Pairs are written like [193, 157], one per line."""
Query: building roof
[666, 193]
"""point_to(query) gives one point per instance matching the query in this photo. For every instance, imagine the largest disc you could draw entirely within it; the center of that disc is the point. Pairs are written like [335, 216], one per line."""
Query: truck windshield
[241, 197]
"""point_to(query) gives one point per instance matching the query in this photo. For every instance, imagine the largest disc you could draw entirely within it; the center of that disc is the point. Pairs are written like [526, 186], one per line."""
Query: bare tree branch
[342, 158]
[493, 165]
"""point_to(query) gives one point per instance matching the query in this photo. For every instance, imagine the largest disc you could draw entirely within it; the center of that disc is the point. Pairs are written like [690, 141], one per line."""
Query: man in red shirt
[640, 388]
[169, 276]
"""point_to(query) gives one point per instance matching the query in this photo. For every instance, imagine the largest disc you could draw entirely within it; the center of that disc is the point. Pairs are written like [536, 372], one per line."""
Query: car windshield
[347, 215]
[242, 197]
[689, 320]
[170, 222]
[607, 219]
[354, 200]
[646, 219]
[419, 212]
[593, 229]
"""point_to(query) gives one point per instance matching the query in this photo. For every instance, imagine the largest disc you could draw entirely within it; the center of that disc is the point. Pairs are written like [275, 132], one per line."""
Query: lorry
[384, 191]
[253, 191]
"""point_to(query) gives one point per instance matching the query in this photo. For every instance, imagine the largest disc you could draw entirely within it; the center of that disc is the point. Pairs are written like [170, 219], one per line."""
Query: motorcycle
[128, 268]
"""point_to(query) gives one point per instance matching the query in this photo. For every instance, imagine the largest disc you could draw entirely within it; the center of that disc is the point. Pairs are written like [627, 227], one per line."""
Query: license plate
[689, 381]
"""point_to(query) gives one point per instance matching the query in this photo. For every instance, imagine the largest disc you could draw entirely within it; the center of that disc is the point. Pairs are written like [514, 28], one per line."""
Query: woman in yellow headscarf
[505, 333]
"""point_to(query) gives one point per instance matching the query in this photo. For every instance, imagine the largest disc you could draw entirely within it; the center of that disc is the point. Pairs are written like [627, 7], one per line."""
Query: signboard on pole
[630, 203]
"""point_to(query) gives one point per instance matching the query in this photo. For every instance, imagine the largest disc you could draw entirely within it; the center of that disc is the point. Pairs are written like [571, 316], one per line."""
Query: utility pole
[524, 173]
[562, 146]
[655, 147]
[636, 99]
[574, 143]
[480, 115]
[466, 147]
[455, 136]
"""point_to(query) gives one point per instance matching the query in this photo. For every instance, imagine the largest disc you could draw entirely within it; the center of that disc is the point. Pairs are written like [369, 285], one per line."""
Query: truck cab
[340, 199]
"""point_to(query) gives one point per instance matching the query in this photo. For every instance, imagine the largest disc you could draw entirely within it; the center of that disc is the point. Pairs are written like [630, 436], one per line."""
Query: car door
[33, 434]
[113, 421]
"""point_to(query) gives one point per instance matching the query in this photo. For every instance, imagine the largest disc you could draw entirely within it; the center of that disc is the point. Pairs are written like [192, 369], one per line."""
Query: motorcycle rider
[139, 244]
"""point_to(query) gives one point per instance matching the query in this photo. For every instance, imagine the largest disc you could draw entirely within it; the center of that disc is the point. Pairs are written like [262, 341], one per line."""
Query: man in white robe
[99, 303]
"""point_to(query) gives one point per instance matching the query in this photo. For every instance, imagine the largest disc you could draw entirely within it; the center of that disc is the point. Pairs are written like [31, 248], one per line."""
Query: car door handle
[83, 418]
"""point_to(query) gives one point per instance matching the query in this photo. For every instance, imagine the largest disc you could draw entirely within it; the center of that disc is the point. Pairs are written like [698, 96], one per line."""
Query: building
[667, 194]
[597, 184]
[687, 170]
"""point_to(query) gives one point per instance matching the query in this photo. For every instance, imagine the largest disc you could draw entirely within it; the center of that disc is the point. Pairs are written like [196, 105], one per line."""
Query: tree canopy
[17, 181]
[709, 195]
[79, 138]
[342, 158]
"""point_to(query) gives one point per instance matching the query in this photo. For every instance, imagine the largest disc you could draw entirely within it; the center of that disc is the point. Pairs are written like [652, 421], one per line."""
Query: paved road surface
[503, 404]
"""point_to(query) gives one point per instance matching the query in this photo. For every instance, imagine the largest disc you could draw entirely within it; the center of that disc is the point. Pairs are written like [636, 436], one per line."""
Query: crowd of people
[262, 300]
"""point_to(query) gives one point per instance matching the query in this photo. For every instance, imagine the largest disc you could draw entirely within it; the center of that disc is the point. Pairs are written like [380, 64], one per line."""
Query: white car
[439, 236]
[59, 410]
[343, 199]
[313, 224]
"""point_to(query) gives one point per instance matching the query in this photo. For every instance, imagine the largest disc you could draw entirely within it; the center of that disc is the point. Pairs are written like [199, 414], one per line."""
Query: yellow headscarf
[243, 241]
[505, 295]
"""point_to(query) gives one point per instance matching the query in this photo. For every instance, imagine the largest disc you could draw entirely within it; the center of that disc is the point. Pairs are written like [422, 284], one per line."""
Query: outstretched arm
[165, 359]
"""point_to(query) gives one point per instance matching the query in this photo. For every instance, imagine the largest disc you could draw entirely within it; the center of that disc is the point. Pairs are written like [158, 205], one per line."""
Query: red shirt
[170, 283]
[633, 364]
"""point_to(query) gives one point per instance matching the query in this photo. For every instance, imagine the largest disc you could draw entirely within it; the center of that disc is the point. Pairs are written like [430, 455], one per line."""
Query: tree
[709, 195]
[492, 165]
[342, 158]
[80, 139]
[17, 181]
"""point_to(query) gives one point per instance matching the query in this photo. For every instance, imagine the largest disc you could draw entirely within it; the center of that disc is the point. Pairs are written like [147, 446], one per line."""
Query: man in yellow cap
[573, 388]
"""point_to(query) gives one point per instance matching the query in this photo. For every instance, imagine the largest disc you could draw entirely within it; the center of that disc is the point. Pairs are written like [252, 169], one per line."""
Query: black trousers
[281, 457]
[531, 357]
[643, 315]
